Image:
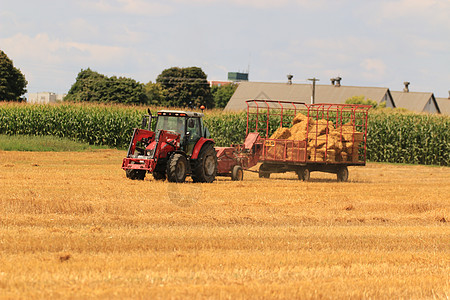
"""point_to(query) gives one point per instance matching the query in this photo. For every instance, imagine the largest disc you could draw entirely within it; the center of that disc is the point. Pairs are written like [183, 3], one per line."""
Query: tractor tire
[303, 174]
[177, 167]
[205, 166]
[237, 174]
[342, 174]
[263, 173]
[135, 174]
[159, 175]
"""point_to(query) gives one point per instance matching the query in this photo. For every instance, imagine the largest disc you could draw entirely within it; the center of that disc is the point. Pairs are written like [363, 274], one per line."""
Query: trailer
[304, 138]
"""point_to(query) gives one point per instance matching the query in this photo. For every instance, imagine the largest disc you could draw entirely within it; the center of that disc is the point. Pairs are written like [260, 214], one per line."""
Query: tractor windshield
[171, 123]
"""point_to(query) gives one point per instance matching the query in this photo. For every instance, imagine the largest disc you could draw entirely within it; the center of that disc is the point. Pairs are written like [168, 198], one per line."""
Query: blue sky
[368, 43]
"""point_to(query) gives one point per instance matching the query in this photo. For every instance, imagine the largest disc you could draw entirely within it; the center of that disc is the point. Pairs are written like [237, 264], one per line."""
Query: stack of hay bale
[339, 144]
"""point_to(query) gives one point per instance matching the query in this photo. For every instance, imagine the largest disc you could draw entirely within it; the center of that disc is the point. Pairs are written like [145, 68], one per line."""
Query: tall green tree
[12, 82]
[92, 86]
[155, 94]
[185, 87]
[222, 94]
[364, 101]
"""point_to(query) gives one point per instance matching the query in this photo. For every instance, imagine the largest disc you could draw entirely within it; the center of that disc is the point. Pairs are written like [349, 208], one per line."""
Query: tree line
[12, 82]
[176, 87]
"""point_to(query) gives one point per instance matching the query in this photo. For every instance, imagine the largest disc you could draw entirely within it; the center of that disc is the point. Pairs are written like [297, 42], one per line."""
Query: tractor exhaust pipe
[149, 119]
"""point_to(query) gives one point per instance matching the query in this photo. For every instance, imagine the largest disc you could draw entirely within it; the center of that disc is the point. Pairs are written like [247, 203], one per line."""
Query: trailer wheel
[205, 167]
[342, 174]
[263, 173]
[304, 174]
[237, 174]
[177, 168]
[159, 175]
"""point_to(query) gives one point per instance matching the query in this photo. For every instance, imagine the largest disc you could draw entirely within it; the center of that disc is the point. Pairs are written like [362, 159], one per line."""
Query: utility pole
[313, 97]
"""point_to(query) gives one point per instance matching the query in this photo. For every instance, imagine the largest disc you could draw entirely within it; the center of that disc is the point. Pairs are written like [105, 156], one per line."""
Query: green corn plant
[392, 137]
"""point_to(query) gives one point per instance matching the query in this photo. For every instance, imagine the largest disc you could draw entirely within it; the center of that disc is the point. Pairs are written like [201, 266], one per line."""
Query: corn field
[392, 137]
[409, 138]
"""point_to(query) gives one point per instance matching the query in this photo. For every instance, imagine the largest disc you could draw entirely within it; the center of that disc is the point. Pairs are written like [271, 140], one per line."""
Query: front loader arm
[167, 142]
[138, 135]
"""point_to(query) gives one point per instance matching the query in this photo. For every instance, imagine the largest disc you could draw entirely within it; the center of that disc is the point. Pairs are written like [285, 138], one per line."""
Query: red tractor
[179, 146]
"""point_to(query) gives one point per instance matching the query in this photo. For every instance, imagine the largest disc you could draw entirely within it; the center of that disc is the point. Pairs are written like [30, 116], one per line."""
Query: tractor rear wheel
[177, 168]
[237, 174]
[205, 167]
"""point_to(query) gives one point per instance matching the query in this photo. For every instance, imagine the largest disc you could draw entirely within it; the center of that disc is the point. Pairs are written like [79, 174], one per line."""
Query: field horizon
[73, 226]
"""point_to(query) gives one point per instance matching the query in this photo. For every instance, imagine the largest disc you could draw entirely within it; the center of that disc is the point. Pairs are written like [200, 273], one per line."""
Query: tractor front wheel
[205, 167]
[159, 175]
[177, 168]
[135, 174]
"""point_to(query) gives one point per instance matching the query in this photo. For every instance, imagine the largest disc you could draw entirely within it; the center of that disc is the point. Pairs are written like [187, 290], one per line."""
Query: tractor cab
[189, 125]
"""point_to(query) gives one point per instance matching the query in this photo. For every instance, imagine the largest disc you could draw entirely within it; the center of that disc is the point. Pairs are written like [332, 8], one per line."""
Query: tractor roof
[180, 113]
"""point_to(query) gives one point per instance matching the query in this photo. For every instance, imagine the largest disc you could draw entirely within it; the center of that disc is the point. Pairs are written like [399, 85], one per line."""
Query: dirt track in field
[72, 225]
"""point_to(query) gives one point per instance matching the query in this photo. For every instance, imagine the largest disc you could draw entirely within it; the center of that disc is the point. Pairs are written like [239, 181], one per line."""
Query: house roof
[413, 101]
[300, 93]
[444, 105]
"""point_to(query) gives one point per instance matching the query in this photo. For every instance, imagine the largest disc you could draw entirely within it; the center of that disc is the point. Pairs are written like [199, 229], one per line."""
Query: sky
[368, 43]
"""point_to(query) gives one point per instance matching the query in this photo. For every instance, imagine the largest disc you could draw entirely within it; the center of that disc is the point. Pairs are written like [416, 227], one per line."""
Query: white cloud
[130, 7]
[44, 50]
[264, 4]
[80, 28]
[49, 63]
[343, 46]
[414, 7]
[427, 13]
[374, 69]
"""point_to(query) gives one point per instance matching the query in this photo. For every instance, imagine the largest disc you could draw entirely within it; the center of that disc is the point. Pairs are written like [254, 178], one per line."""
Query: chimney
[406, 88]
[338, 81]
[289, 77]
[333, 80]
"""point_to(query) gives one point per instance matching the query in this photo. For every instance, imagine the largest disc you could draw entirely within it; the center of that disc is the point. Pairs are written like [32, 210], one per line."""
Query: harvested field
[73, 226]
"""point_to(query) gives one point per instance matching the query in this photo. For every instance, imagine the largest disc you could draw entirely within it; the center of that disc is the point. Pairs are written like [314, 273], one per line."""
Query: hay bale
[276, 151]
[351, 151]
[317, 142]
[353, 136]
[281, 133]
[349, 133]
[347, 127]
[299, 118]
[332, 141]
[319, 127]
[299, 131]
[292, 152]
[318, 154]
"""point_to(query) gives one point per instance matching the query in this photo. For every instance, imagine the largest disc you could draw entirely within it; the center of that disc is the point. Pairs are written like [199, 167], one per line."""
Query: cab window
[175, 124]
[194, 128]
